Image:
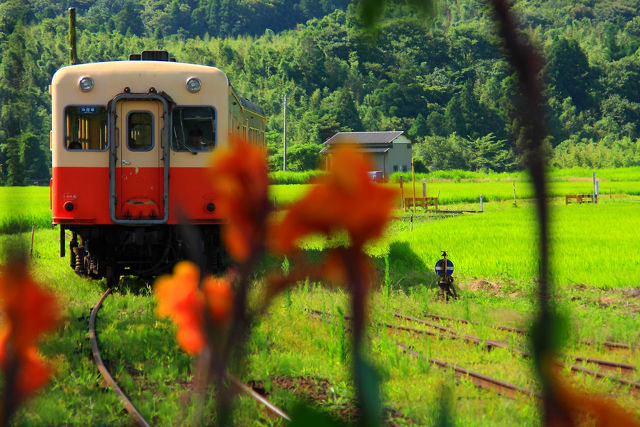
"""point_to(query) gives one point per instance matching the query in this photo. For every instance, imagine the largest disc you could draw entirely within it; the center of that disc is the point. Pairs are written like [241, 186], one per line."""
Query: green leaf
[368, 386]
[307, 416]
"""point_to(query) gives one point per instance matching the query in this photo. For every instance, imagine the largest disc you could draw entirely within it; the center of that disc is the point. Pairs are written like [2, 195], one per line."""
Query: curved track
[103, 369]
[125, 400]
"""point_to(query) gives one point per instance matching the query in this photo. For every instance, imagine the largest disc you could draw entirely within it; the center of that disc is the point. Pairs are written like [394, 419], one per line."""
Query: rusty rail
[125, 400]
[490, 344]
[479, 380]
[625, 368]
[611, 345]
[103, 369]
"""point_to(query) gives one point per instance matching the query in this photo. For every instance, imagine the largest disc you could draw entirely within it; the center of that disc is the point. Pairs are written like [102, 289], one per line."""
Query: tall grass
[458, 175]
[591, 244]
[469, 191]
[304, 177]
[23, 207]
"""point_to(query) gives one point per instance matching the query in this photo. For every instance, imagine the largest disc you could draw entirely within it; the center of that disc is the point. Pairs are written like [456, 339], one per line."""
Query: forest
[442, 78]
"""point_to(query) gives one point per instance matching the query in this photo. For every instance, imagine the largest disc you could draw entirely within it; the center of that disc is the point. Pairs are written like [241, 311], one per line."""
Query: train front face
[129, 146]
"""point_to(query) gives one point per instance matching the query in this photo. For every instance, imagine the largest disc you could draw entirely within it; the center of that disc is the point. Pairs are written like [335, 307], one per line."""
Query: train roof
[111, 77]
[246, 104]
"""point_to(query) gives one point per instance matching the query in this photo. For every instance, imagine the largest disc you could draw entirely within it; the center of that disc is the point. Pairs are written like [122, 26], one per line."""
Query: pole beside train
[73, 53]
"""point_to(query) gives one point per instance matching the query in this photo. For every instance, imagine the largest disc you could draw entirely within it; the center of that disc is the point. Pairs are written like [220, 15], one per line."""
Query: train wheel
[72, 253]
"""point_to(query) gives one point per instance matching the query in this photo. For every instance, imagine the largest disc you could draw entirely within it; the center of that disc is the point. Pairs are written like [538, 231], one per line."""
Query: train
[130, 143]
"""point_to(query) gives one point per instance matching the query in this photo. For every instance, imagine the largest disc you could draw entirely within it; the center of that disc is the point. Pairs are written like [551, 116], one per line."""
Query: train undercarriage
[144, 251]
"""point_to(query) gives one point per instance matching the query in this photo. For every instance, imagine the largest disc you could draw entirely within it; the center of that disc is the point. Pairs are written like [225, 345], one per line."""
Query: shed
[390, 151]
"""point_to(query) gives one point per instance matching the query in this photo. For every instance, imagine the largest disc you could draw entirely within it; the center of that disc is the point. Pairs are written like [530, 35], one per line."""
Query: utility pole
[73, 55]
[284, 137]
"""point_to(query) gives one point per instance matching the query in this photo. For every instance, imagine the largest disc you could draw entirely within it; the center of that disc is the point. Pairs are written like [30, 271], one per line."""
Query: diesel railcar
[130, 143]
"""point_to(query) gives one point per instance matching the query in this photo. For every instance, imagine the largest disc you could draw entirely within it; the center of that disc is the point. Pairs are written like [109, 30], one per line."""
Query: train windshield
[194, 129]
[85, 128]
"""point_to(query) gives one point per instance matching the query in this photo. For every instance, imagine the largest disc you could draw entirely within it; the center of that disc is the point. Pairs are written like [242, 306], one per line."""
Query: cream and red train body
[130, 143]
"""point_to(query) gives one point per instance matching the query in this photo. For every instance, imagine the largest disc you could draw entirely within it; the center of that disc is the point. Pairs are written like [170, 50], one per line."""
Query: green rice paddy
[595, 269]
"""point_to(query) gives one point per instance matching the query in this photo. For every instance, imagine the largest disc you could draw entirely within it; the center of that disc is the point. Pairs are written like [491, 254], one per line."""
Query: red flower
[180, 299]
[29, 312]
[573, 408]
[344, 199]
[240, 183]
[219, 298]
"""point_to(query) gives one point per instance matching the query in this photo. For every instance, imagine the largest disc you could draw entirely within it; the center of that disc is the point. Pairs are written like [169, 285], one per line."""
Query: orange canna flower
[32, 372]
[576, 408]
[240, 184]
[219, 298]
[345, 198]
[29, 312]
[180, 300]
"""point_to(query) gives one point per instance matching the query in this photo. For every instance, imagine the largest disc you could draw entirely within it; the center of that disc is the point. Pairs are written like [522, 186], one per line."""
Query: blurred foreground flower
[240, 182]
[344, 199]
[28, 311]
[180, 299]
[574, 408]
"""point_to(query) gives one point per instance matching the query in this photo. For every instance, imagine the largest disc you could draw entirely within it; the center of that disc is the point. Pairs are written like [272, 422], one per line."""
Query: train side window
[194, 129]
[140, 131]
[85, 128]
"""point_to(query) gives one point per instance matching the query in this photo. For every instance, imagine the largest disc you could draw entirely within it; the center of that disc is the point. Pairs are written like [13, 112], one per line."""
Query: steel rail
[251, 392]
[127, 403]
[479, 380]
[625, 368]
[503, 388]
[103, 369]
[490, 344]
[609, 344]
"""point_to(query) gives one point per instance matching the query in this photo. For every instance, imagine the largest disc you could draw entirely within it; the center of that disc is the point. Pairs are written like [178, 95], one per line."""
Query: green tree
[13, 164]
[568, 72]
[301, 157]
[33, 159]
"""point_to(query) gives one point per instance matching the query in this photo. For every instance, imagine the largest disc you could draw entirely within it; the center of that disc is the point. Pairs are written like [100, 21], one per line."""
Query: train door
[140, 166]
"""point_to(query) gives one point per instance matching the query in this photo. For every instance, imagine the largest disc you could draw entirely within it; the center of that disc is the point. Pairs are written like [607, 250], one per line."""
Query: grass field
[23, 207]
[595, 267]
[289, 348]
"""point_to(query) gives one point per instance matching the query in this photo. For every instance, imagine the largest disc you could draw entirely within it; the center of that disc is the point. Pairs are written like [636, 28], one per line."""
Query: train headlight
[193, 84]
[85, 84]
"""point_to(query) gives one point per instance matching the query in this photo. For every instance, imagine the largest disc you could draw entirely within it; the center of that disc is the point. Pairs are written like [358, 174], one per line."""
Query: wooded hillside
[444, 81]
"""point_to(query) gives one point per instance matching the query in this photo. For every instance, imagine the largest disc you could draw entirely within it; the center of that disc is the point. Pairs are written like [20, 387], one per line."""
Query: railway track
[485, 382]
[130, 408]
[449, 333]
[624, 368]
[611, 345]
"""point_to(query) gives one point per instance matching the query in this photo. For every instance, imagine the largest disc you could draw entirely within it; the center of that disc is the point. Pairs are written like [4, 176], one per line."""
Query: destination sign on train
[88, 110]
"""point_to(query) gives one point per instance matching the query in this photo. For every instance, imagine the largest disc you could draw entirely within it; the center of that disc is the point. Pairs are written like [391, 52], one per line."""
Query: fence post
[515, 204]
[481, 206]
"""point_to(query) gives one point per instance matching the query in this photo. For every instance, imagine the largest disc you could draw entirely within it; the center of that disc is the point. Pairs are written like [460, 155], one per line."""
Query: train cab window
[194, 129]
[140, 131]
[85, 128]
